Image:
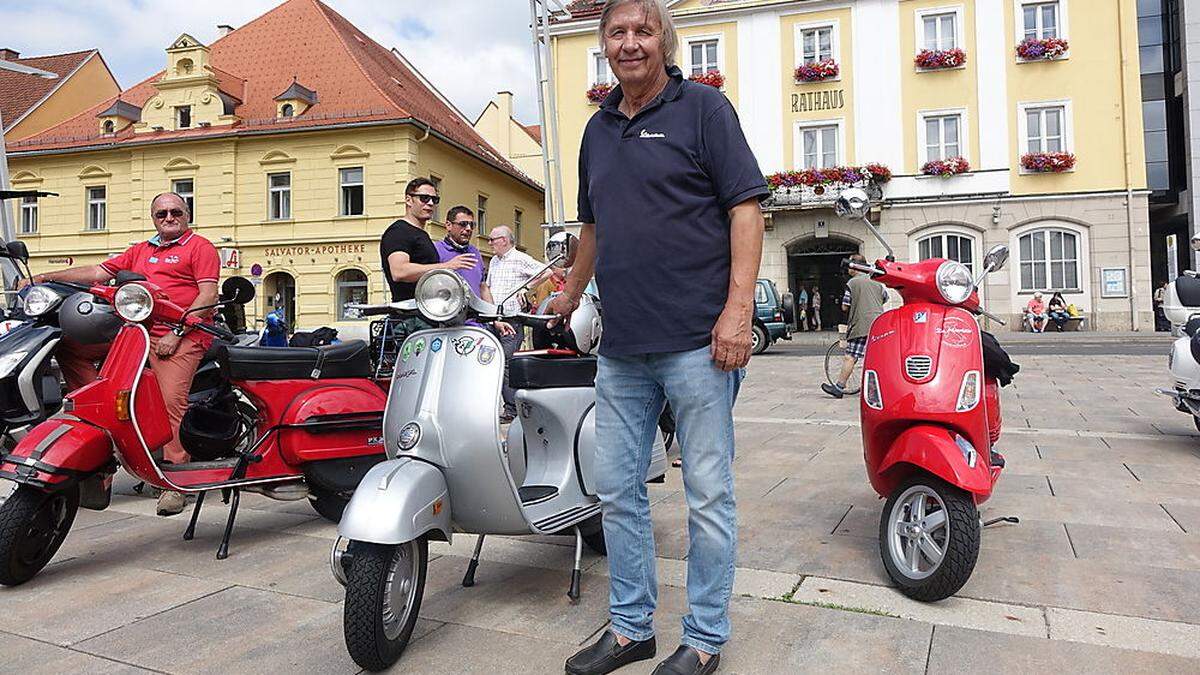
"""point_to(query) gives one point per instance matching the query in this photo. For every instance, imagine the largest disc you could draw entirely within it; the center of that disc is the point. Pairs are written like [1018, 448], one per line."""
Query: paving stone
[1128, 490]
[1143, 516]
[30, 657]
[961, 650]
[1163, 637]
[1188, 475]
[1187, 515]
[232, 631]
[454, 649]
[1167, 549]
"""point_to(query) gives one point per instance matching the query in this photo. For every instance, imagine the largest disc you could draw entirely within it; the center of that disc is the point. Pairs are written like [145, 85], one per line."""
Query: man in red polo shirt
[186, 267]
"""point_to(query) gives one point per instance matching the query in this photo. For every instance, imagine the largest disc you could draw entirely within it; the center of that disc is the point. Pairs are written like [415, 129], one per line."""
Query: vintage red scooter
[307, 424]
[930, 414]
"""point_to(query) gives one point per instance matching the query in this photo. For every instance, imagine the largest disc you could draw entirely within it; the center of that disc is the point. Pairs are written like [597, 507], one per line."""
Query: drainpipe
[1133, 318]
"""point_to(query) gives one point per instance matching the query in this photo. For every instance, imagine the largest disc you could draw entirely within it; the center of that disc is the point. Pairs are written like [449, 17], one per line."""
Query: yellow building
[1039, 98]
[293, 138]
[518, 143]
[30, 104]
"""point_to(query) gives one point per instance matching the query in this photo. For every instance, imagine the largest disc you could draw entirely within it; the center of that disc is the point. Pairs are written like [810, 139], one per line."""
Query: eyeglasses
[496, 238]
[426, 199]
[464, 223]
[159, 215]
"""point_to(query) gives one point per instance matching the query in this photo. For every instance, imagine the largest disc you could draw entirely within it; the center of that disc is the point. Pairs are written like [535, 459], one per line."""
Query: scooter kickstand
[1004, 519]
[469, 578]
[223, 550]
[576, 573]
[190, 532]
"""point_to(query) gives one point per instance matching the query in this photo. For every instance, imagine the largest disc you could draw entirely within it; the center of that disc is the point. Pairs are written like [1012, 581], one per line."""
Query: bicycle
[833, 365]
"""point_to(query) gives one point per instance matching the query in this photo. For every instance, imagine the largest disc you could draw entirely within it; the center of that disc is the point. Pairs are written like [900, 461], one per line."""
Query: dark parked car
[770, 324]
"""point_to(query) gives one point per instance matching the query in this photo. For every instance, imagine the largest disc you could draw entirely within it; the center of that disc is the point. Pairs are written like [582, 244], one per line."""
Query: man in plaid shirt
[510, 269]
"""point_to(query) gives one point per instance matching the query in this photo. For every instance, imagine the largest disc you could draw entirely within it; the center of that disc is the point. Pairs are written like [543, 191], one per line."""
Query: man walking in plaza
[510, 269]
[863, 300]
[669, 201]
[186, 267]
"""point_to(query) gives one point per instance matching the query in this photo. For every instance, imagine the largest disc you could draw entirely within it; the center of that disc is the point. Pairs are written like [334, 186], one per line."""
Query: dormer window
[109, 127]
[183, 117]
[287, 110]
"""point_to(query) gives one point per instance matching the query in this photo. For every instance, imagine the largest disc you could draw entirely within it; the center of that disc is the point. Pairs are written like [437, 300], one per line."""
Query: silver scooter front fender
[397, 501]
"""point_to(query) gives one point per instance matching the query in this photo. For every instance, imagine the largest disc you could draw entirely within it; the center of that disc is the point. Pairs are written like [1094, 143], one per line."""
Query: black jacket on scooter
[996, 362]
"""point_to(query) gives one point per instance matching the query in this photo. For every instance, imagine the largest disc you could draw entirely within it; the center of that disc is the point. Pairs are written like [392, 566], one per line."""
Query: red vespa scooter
[930, 415]
[311, 427]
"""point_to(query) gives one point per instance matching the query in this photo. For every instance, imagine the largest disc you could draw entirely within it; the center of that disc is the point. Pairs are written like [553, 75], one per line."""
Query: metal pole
[553, 114]
[8, 271]
[548, 204]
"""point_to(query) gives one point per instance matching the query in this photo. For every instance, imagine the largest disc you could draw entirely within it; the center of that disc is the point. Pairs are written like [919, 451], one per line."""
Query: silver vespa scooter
[453, 468]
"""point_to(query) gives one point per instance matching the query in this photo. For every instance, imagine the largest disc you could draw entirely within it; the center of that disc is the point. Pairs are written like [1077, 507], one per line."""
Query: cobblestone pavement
[1101, 575]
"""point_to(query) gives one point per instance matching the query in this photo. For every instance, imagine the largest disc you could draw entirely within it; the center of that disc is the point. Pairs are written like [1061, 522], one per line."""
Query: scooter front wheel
[384, 587]
[33, 525]
[929, 538]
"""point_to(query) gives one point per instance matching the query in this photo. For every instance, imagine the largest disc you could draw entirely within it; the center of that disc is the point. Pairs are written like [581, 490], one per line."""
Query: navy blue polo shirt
[659, 188]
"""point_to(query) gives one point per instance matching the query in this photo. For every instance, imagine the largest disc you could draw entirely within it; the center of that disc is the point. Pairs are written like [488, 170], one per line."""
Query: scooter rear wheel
[384, 587]
[929, 538]
[33, 525]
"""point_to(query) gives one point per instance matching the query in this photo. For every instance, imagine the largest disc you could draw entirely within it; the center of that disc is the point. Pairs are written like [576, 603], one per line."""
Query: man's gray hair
[175, 195]
[656, 8]
[504, 231]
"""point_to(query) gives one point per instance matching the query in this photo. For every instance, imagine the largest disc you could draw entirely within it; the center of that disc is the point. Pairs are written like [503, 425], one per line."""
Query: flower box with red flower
[1048, 162]
[599, 92]
[817, 71]
[1048, 49]
[712, 78]
[940, 59]
[820, 186]
[946, 167]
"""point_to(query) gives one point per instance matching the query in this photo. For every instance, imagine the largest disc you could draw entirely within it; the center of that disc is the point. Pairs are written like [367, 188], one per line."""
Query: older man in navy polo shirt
[669, 196]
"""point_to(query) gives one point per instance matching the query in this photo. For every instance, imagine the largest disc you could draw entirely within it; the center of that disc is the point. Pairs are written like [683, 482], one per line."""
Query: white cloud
[469, 49]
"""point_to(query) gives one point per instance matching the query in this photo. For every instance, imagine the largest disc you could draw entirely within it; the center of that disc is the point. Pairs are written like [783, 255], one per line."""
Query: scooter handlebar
[861, 267]
[401, 307]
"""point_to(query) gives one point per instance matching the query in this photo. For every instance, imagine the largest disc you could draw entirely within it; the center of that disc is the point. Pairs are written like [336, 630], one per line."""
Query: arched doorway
[817, 263]
[279, 290]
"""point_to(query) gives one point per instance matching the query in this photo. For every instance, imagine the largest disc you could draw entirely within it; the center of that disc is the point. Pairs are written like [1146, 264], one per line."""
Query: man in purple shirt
[460, 223]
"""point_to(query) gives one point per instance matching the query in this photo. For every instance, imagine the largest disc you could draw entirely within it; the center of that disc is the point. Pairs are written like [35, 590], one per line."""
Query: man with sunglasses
[185, 266]
[406, 249]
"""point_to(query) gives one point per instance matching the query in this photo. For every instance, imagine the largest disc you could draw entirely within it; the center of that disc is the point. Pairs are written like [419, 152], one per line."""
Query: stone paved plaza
[1101, 575]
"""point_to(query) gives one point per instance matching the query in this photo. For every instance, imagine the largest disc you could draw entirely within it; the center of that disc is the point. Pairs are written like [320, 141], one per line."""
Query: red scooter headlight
[133, 302]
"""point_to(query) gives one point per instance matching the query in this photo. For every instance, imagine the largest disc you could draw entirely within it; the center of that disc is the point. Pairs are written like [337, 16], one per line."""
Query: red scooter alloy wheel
[929, 538]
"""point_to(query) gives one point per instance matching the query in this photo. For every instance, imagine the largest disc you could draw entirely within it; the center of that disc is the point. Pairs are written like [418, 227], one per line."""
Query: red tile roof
[356, 80]
[20, 92]
[534, 131]
[584, 9]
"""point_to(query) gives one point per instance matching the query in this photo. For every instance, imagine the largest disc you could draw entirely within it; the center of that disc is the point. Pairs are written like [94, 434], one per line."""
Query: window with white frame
[943, 136]
[816, 44]
[939, 31]
[29, 215]
[948, 245]
[1045, 128]
[703, 56]
[818, 146]
[1049, 260]
[350, 183]
[186, 188]
[1041, 19]
[279, 196]
[97, 208]
[601, 73]
[517, 215]
[351, 288]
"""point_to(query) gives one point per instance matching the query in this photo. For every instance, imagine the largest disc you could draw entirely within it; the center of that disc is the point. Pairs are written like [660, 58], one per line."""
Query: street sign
[65, 262]
[822, 230]
[231, 258]
[256, 270]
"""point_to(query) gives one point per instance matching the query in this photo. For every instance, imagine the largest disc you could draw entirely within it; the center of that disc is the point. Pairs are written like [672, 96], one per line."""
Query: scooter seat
[540, 371]
[348, 359]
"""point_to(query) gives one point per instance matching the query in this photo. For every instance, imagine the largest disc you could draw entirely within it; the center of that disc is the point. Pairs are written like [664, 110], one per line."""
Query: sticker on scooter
[486, 354]
[464, 345]
[955, 332]
[406, 351]
[375, 440]
[436, 345]
[920, 317]
[419, 347]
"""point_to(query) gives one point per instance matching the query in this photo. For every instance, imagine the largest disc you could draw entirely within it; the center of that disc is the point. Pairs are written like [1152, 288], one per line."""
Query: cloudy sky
[469, 49]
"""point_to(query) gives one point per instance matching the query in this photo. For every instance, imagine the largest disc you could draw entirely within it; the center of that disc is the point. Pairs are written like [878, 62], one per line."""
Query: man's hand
[22, 283]
[731, 337]
[561, 307]
[505, 329]
[167, 345]
[464, 261]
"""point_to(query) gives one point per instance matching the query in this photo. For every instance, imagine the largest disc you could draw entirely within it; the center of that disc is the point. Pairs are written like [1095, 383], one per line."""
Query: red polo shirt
[177, 268]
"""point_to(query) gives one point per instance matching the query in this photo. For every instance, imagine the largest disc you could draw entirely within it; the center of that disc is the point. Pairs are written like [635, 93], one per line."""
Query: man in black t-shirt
[406, 251]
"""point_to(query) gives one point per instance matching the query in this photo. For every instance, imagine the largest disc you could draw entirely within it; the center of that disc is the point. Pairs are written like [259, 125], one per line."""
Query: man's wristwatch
[178, 331]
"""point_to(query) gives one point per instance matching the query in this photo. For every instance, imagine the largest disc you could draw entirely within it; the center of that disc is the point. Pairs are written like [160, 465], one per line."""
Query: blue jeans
[630, 393]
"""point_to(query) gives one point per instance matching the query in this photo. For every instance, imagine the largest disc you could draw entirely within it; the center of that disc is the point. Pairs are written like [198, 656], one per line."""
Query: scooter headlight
[409, 435]
[10, 361]
[968, 393]
[441, 295]
[40, 300]
[133, 302]
[954, 282]
[872, 395]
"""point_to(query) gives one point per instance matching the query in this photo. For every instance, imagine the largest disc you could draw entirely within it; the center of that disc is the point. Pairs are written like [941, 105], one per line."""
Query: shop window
[352, 197]
[279, 196]
[950, 246]
[97, 208]
[29, 215]
[186, 188]
[351, 288]
[1049, 261]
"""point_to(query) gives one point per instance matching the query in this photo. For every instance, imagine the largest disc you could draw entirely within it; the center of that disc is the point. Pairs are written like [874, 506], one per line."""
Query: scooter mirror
[852, 204]
[561, 248]
[17, 250]
[237, 290]
[996, 257]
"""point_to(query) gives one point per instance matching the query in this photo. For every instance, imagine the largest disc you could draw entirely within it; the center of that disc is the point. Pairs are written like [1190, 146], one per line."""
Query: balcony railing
[817, 196]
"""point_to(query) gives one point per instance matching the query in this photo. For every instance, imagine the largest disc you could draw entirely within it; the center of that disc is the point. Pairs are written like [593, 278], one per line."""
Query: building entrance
[817, 263]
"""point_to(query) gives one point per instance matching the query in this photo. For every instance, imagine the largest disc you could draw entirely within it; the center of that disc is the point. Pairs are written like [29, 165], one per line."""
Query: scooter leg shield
[932, 449]
[57, 452]
[398, 501]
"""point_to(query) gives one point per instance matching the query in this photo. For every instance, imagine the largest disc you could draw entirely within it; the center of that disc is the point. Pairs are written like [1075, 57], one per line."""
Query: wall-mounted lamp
[996, 214]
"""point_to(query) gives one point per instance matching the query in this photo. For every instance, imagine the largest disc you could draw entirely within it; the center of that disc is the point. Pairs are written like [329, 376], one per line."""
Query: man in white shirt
[510, 269]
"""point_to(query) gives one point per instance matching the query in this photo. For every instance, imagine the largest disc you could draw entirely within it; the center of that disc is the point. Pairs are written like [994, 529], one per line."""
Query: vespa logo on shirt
[648, 134]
